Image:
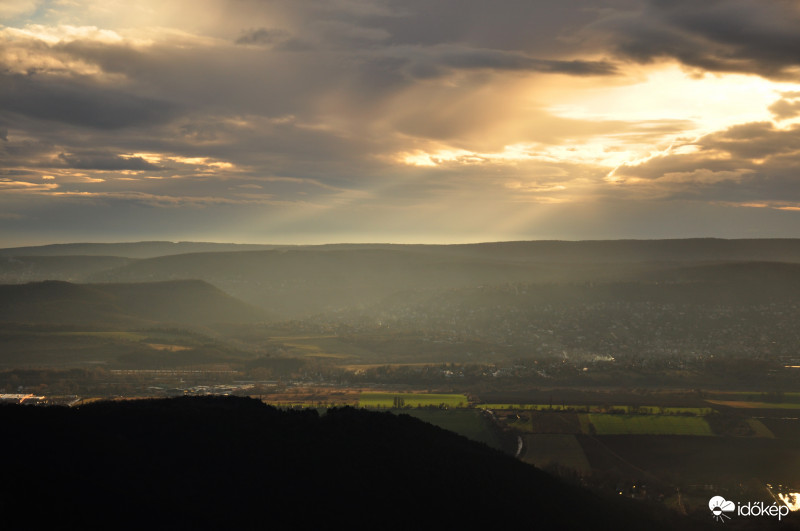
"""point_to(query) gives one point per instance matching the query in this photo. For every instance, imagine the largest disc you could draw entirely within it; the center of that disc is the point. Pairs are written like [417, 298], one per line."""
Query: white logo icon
[719, 506]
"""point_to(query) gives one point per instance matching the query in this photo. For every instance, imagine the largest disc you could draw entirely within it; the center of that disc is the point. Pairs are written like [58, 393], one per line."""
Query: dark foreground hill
[226, 463]
[186, 302]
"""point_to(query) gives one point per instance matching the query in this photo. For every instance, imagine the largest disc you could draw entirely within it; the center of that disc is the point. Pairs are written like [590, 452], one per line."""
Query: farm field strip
[355, 367]
[585, 423]
[586, 408]
[388, 400]
[121, 335]
[311, 404]
[167, 347]
[648, 425]
[322, 346]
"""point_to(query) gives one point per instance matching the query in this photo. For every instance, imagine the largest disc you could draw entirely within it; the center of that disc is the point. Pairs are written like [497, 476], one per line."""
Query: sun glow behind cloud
[663, 95]
[712, 101]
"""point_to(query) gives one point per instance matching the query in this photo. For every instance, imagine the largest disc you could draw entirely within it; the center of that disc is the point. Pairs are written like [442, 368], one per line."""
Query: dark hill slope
[729, 285]
[632, 251]
[185, 301]
[297, 282]
[55, 302]
[214, 463]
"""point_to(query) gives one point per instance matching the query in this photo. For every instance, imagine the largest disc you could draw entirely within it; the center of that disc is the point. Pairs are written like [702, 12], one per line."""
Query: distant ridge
[616, 251]
[129, 250]
[305, 280]
[690, 249]
[298, 281]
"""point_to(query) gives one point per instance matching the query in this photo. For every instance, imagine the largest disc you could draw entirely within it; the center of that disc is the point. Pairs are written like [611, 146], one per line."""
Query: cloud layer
[398, 120]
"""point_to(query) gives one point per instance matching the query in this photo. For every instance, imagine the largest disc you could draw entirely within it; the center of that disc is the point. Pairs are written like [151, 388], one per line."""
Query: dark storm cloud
[544, 28]
[748, 36]
[264, 36]
[105, 161]
[471, 59]
[83, 104]
[16, 153]
[277, 39]
[754, 141]
[744, 163]
[786, 107]
[16, 173]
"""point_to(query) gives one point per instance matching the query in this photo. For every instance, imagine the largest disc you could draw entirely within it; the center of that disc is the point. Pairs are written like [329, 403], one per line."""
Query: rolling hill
[64, 303]
[298, 281]
[556, 251]
[74, 268]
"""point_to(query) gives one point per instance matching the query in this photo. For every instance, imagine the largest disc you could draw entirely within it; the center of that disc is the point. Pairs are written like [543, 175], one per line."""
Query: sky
[429, 121]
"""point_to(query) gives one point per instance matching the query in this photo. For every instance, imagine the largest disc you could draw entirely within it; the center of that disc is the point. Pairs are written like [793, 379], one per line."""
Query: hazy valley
[614, 365]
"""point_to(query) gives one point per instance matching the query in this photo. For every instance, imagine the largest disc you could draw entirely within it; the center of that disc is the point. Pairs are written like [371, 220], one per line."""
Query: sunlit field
[389, 400]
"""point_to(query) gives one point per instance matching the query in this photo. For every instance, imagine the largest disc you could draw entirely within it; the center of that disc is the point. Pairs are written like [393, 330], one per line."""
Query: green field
[321, 347]
[387, 400]
[311, 404]
[648, 425]
[586, 425]
[534, 407]
[595, 408]
[122, 336]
